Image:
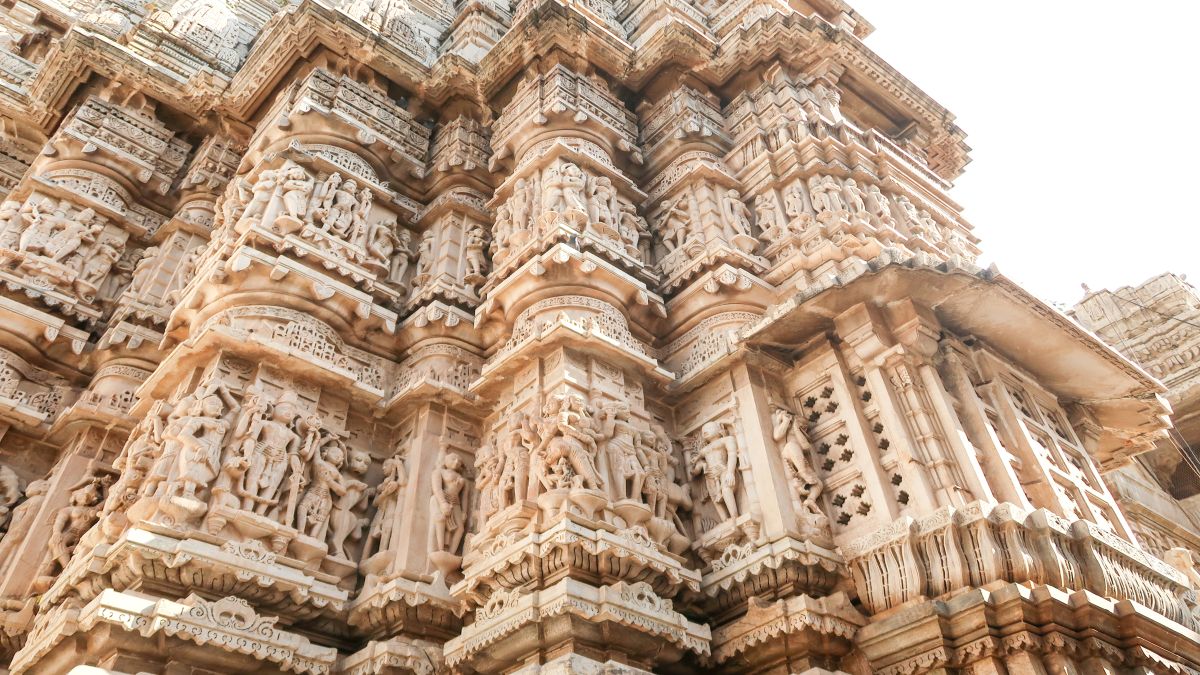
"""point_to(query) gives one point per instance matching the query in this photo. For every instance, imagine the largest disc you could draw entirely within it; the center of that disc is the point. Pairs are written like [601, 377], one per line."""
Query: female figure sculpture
[315, 506]
[449, 494]
[387, 506]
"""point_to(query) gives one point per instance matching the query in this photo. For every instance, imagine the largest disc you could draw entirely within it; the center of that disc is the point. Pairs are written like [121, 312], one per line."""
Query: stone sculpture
[267, 439]
[806, 485]
[717, 461]
[674, 224]
[388, 498]
[333, 339]
[346, 520]
[20, 522]
[297, 187]
[448, 510]
[68, 527]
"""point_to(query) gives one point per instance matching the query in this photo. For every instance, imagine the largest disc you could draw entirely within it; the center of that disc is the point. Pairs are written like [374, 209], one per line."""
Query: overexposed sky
[1084, 119]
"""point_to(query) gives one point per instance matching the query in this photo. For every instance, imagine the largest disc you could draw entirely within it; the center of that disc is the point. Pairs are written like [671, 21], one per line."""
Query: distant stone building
[617, 336]
[1157, 325]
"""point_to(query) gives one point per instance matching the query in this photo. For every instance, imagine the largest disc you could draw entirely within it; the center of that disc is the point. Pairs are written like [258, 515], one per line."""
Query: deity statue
[737, 215]
[387, 503]
[655, 491]
[449, 484]
[424, 256]
[601, 196]
[98, 263]
[626, 462]
[717, 461]
[260, 193]
[265, 436]
[520, 205]
[225, 492]
[473, 254]
[11, 223]
[501, 230]
[73, 233]
[70, 524]
[297, 187]
[563, 190]
[794, 448]
[631, 227]
[346, 521]
[382, 241]
[312, 517]
[487, 481]
[44, 220]
[136, 460]
[568, 443]
[675, 222]
[187, 268]
[679, 494]
[143, 270]
[229, 205]
[339, 206]
[513, 484]
[403, 254]
[825, 194]
[325, 195]
[769, 220]
[20, 522]
[855, 198]
[880, 206]
[361, 215]
[199, 437]
[165, 460]
[793, 202]
[300, 465]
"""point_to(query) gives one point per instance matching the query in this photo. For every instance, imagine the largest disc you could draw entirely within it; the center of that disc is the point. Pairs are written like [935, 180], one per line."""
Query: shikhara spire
[399, 336]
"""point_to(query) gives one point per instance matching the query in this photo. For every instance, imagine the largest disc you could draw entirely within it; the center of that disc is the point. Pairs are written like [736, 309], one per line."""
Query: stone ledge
[937, 634]
[390, 657]
[982, 543]
[230, 624]
[742, 569]
[139, 556]
[508, 551]
[633, 607]
[401, 604]
[827, 625]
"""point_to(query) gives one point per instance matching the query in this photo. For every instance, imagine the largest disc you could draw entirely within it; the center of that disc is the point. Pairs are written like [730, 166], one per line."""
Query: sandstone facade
[1157, 325]
[554, 336]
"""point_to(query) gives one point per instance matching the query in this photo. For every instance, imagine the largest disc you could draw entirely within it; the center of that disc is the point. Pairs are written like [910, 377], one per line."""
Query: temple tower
[417, 336]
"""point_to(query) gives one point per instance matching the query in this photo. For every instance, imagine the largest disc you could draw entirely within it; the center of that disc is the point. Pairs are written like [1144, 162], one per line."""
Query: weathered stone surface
[543, 337]
[1157, 325]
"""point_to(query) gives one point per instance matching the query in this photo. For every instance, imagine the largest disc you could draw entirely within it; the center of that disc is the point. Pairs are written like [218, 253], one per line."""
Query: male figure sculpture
[717, 461]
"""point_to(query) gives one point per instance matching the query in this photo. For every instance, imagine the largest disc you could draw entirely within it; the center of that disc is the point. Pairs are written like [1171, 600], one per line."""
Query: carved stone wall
[1154, 325]
[546, 336]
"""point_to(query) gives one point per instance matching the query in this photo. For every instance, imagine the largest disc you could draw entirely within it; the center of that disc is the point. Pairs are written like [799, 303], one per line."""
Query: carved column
[578, 539]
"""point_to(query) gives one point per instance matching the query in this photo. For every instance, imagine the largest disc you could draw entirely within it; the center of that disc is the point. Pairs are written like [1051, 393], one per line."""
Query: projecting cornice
[295, 34]
[715, 51]
[988, 307]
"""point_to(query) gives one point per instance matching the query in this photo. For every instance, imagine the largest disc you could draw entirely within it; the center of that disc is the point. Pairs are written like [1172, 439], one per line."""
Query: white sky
[1083, 118]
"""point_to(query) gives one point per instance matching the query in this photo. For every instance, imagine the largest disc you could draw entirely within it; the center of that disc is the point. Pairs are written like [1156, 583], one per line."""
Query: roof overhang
[1063, 357]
